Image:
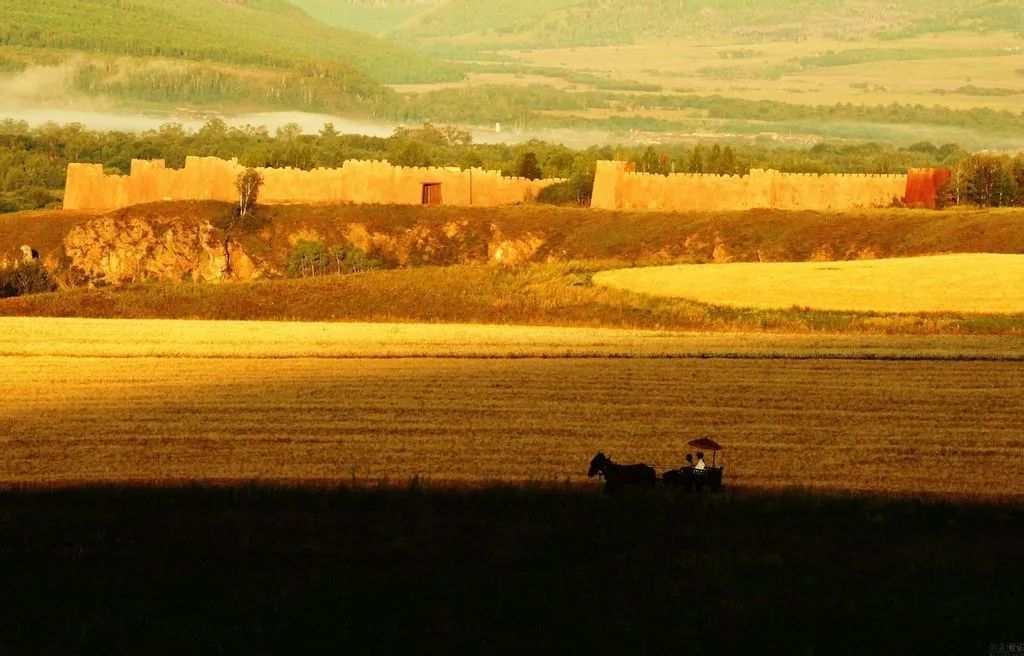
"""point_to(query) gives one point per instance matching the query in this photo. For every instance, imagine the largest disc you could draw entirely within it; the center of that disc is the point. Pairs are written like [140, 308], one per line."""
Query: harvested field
[894, 426]
[974, 283]
[133, 338]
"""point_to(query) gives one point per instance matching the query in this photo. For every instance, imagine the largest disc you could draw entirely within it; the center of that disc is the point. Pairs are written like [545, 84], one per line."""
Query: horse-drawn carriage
[687, 479]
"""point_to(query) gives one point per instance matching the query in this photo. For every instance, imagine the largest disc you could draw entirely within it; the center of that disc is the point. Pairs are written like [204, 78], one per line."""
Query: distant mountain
[269, 34]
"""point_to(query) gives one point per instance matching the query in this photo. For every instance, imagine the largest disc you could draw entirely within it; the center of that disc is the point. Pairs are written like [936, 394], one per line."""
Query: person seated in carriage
[700, 466]
[688, 464]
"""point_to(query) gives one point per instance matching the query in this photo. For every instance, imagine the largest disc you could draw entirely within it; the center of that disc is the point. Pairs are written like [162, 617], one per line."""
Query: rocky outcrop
[504, 250]
[116, 250]
[28, 255]
[456, 242]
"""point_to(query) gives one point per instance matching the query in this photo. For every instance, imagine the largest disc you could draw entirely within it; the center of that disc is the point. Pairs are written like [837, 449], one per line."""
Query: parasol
[706, 444]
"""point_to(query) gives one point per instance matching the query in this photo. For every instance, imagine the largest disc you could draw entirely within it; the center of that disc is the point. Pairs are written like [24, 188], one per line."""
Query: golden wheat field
[967, 283]
[82, 404]
[162, 338]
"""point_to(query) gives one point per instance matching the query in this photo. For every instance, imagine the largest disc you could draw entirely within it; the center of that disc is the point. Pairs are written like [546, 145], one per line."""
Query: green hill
[271, 34]
[530, 23]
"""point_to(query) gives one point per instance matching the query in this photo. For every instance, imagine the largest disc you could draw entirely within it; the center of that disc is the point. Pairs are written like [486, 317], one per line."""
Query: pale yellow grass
[136, 338]
[481, 79]
[678, 65]
[972, 283]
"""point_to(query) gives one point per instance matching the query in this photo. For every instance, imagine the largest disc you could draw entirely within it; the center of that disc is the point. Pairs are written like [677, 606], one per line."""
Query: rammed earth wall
[617, 188]
[212, 178]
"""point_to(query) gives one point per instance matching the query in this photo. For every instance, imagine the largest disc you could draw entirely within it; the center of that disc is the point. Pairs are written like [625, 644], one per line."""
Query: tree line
[33, 160]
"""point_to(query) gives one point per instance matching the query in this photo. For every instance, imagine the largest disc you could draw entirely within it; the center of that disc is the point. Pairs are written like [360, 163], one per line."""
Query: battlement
[356, 181]
[617, 188]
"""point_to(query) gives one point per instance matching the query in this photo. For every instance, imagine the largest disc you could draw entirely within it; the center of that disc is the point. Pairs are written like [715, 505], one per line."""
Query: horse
[616, 476]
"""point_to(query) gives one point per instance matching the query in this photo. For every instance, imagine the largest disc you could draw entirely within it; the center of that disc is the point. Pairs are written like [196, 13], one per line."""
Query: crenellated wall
[617, 188]
[212, 178]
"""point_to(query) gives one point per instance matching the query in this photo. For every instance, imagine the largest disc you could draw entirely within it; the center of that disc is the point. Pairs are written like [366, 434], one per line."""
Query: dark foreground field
[258, 570]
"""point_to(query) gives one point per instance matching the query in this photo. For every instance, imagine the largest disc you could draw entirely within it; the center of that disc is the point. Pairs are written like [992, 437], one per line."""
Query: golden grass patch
[142, 338]
[971, 283]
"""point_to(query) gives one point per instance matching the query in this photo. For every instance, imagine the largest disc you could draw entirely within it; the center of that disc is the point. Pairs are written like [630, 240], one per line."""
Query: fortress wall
[89, 188]
[212, 178]
[616, 188]
[806, 191]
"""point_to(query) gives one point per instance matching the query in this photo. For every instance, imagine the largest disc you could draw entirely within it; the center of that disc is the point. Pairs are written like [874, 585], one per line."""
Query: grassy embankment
[556, 295]
[557, 292]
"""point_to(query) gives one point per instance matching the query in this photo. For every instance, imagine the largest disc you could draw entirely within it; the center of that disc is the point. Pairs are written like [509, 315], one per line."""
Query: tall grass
[557, 294]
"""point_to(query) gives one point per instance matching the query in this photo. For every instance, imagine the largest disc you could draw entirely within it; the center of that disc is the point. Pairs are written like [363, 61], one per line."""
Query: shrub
[7, 205]
[309, 259]
[575, 191]
[26, 278]
[28, 198]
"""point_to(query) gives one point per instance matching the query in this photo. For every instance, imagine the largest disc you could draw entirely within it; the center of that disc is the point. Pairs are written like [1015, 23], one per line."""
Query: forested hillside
[268, 34]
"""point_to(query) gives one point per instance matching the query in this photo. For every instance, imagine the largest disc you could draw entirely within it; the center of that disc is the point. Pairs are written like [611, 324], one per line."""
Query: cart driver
[689, 461]
[700, 461]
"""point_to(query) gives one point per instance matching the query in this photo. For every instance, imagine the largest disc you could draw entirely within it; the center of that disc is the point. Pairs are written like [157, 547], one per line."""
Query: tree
[528, 167]
[213, 132]
[329, 133]
[648, 162]
[714, 164]
[728, 164]
[987, 181]
[248, 184]
[288, 132]
[697, 160]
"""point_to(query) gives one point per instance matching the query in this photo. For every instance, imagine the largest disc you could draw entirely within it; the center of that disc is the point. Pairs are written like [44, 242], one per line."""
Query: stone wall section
[617, 188]
[212, 178]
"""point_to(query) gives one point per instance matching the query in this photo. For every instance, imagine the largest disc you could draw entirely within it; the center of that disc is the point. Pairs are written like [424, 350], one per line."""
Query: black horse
[618, 476]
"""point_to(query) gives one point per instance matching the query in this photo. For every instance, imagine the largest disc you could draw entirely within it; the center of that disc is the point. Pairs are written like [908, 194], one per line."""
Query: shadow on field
[388, 570]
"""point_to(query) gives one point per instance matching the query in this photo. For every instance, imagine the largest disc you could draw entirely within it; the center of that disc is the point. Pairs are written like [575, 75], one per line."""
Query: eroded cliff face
[117, 250]
[185, 241]
[456, 242]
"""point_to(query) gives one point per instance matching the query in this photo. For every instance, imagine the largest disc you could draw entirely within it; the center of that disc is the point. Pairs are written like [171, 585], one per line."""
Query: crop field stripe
[554, 356]
[899, 427]
[981, 283]
[271, 340]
